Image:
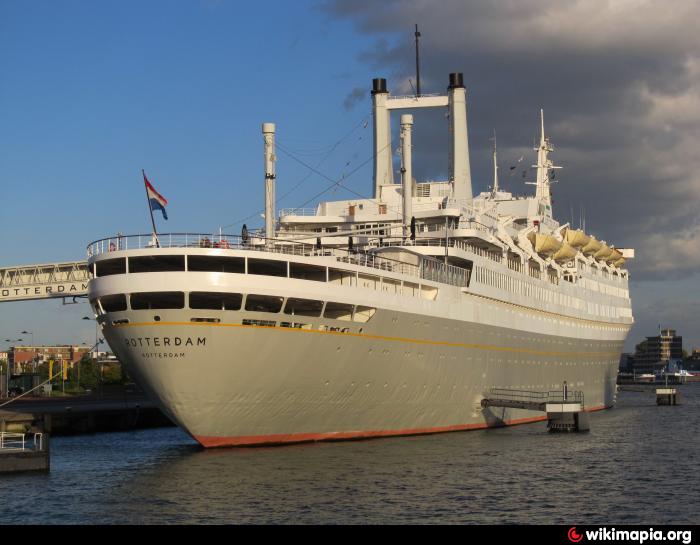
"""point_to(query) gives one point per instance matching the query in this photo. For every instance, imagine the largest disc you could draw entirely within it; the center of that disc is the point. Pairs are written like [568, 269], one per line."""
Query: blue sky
[92, 92]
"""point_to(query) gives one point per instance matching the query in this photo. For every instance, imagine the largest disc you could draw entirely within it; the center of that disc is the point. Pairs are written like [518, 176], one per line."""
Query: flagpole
[150, 209]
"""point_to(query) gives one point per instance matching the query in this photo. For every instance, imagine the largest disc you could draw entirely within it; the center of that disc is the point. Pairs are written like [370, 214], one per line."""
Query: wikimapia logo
[637, 536]
[573, 536]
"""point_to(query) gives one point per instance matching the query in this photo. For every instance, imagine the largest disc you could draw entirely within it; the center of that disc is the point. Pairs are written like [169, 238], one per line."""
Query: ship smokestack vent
[456, 80]
[379, 86]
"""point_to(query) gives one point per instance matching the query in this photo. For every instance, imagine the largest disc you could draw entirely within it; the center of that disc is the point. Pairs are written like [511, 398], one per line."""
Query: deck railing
[298, 212]
[430, 268]
[19, 441]
[551, 396]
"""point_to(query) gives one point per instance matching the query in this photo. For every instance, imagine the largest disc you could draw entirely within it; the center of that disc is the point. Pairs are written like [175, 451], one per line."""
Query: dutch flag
[156, 200]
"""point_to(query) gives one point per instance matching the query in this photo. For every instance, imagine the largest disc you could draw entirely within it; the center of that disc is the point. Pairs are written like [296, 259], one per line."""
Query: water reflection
[634, 455]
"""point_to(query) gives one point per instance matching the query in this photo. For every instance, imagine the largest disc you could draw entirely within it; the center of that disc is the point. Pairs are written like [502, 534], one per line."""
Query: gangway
[45, 281]
[565, 408]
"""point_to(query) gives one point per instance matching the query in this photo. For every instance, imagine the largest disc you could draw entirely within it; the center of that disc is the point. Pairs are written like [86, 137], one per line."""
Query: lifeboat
[565, 253]
[545, 244]
[620, 262]
[576, 238]
[591, 247]
[615, 256]
[604, 252]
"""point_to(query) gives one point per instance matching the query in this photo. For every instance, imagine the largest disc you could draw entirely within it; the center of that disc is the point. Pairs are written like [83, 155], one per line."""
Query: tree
[112, 374]
[88, 372]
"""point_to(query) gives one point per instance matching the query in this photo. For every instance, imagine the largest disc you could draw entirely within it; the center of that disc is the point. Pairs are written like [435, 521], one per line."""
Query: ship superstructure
[389, 315]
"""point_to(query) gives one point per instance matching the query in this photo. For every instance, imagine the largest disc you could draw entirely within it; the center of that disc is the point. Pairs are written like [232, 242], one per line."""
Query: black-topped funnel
[456, 80]
[379, 86]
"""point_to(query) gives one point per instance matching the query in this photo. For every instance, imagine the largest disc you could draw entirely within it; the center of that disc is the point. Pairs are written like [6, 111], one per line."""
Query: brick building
[22, 359]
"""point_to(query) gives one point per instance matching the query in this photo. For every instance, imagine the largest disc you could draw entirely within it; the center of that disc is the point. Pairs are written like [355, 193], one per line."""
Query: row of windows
[515, 285]
[203, 263]
[235, 301]
[265, 267]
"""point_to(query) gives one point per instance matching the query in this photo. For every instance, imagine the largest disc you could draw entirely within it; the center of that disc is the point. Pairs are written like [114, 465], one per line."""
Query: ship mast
[544, 166]
[496, 189]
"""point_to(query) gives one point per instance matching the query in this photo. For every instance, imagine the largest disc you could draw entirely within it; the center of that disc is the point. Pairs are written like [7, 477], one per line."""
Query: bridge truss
[48, 281]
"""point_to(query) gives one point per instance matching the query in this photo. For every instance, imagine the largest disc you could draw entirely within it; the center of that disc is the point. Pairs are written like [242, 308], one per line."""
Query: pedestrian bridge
[48, 281]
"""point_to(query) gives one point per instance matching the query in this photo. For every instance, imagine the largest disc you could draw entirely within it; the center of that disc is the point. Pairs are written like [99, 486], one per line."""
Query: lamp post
[36, 357]
[7, 371]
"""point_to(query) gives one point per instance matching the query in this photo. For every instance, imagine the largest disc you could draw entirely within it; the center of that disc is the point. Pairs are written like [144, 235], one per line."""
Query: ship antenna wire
[417, 63]
[307, 176]
[335, 182]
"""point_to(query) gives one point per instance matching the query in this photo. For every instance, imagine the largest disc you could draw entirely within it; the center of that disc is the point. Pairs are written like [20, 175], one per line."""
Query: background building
[25, 359]
[626, 363]
[655, 353]
[693, 360]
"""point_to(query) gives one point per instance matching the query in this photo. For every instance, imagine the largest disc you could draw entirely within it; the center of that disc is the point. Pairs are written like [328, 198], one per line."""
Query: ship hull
[229, 384]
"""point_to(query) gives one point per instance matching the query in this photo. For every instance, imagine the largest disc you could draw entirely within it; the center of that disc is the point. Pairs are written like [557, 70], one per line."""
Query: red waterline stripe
[281, 439]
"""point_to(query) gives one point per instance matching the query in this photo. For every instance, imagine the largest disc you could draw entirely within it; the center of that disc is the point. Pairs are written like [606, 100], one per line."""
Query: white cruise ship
[392, 315]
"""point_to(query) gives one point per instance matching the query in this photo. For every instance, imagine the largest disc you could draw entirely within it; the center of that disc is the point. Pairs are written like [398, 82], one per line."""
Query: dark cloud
[356, 96]
[620, 85]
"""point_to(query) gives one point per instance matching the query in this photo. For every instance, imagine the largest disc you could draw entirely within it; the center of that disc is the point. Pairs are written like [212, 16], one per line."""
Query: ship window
[215, 300]
[429, 292]
[337, 276]
[96, 307]
[206, 320]
[334, 329]
[409, 288]
[263, 323]
[364, 314]
[295, 325]
[157, 300]
[267, 267]
[113, 303]
[210, 263]
[263, 303]
[338, 311]
[107, 267]
[391, 285]
[307, 272]
[156, 263]
[368, 281]
[303, 307]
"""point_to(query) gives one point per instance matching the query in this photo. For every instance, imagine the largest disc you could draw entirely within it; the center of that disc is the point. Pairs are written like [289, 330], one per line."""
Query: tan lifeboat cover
[544, 244]
[620, 262]
[576, 238]
[565, 253]
[614, 256]
[592, 247]
[604, 252]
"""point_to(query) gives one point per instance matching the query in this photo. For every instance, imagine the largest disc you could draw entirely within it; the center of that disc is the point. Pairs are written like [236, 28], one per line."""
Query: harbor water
[636, 466]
